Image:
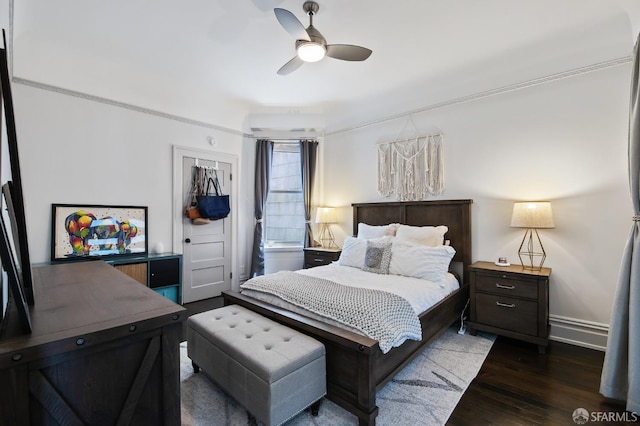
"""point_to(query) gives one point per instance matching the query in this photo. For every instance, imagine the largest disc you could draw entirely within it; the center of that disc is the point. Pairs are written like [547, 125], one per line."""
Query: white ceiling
[216, 60]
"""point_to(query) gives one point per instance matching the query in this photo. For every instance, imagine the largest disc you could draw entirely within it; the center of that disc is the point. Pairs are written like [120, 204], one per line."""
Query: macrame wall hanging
[411, 168]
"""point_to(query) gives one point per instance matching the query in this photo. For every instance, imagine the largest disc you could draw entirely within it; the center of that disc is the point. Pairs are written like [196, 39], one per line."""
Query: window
[284, 212]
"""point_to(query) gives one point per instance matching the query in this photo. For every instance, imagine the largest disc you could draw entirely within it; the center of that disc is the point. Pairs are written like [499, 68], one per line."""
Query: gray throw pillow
[377, 257]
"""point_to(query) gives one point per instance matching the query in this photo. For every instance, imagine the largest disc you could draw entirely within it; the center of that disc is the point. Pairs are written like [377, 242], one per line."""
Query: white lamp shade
[532, 214]
[326, 215]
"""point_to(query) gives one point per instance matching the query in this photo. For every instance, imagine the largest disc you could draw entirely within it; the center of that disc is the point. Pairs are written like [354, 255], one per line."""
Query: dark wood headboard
[455, 214]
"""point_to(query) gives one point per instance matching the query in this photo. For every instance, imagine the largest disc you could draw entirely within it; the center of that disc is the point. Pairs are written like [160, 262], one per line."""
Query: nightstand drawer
[508, 313]
[312, 261]
[313, 257]
[506, 285]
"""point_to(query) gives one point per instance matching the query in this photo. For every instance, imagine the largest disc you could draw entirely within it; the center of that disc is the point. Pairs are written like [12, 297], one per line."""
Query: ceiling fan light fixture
[311, 52]
[311, 46]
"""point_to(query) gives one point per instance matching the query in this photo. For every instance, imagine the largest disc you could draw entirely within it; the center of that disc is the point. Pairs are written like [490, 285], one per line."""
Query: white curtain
[412, 169]
[621, 370]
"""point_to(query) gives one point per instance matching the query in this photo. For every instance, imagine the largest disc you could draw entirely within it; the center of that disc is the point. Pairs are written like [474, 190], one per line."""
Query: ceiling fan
[311, 46]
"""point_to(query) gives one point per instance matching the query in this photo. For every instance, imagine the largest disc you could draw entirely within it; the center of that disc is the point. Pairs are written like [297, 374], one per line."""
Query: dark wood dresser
[318, 256]
[104, 350]
[510, 301]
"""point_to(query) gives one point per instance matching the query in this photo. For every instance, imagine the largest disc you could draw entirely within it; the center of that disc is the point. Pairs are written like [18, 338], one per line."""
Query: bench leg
[196, 368]
[315, 408]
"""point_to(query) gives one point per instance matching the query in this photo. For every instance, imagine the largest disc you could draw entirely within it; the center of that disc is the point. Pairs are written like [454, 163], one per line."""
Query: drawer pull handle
[506, 305]
[317, 259]
[506, 287]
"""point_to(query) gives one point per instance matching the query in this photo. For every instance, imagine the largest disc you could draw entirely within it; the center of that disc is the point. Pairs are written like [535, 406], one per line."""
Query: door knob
[188, 240]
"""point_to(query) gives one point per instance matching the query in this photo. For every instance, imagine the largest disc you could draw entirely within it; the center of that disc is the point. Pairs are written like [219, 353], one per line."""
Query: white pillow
[426, 235]
[420, 261]
[353, 252]
[368, 232]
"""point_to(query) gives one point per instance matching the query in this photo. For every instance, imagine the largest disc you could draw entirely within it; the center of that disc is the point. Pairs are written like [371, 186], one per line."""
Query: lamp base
[326, 237]
[529, 254]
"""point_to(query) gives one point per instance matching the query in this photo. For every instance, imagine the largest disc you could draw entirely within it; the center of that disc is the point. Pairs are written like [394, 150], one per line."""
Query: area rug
[425, 392]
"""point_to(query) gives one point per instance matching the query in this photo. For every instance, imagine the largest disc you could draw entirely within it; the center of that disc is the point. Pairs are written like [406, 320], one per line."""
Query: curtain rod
[287, 141]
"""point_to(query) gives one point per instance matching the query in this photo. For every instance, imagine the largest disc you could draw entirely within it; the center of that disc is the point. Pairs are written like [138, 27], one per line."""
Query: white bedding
[421, 294]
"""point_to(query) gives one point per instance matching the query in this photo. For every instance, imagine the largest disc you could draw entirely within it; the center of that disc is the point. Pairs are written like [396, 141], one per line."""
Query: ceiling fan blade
[348, 52]
[291, 24]
[291, 66]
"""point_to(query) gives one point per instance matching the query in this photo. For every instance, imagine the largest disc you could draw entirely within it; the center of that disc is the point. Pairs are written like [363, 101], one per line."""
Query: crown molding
[493, 92]
[125, 105]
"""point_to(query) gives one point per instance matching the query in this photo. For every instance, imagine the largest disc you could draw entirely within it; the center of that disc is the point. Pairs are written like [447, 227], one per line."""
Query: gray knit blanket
[380, 315]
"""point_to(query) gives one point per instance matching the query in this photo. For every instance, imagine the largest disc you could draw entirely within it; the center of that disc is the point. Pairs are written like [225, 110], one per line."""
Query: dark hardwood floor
[518, 386]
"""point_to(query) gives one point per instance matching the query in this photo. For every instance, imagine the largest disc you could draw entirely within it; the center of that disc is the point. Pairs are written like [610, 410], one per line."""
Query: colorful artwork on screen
[98, 231]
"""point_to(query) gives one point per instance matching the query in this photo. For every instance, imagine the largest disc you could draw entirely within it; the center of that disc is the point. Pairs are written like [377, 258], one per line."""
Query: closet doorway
[207, 249]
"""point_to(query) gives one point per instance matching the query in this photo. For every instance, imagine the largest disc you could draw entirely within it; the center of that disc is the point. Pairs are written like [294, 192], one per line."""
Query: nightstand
[317, 256]
[510, 301]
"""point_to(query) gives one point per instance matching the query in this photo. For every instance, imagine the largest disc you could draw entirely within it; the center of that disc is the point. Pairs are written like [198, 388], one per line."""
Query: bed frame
[356, 367]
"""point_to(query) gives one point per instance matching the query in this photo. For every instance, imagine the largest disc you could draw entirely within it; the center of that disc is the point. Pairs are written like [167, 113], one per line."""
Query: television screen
[95, 231]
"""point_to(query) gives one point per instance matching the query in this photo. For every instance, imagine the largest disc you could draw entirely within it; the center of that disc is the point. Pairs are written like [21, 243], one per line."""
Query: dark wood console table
[104, 350]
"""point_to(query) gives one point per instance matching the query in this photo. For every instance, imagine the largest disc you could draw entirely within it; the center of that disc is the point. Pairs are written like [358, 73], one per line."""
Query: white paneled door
[206, 248]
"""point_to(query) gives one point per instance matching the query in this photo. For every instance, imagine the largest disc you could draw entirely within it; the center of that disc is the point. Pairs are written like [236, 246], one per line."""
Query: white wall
[282, 260]
[563, 141]
[74, 150]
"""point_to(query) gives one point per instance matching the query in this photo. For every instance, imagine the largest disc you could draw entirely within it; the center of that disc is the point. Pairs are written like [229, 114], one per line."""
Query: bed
[356, 366]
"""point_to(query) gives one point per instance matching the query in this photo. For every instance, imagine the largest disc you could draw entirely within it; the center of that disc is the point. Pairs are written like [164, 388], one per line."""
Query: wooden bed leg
[370, 422]
[196, 368]
[315, 408]
[366, 389]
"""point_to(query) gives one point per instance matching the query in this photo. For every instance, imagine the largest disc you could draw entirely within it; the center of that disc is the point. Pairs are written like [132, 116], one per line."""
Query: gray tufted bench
[273, 371]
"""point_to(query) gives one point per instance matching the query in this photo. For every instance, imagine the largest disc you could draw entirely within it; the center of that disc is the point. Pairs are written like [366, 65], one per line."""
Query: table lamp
[326, 216]
[532, 215]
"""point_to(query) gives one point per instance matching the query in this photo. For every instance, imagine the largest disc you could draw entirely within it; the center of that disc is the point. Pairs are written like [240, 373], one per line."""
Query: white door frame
[179, 152]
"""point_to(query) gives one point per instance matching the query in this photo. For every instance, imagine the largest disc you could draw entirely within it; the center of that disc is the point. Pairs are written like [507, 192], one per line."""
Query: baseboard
[578, 332]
